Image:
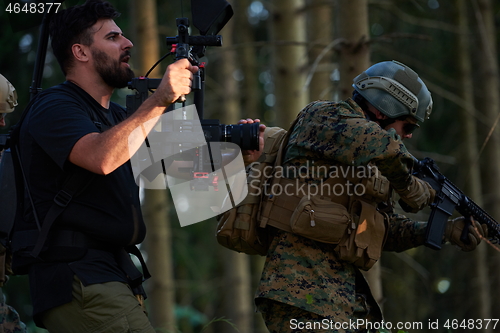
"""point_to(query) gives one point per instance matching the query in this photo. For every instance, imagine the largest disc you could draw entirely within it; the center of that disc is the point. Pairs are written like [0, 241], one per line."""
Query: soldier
[8, 99]
[9, 318]
[311, 285]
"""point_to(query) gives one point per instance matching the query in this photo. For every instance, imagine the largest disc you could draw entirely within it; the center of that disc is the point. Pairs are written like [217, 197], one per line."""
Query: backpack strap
[77, 181]
[268, 203]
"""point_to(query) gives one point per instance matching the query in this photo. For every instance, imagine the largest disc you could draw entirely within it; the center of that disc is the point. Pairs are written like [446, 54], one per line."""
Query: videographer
[9, 318]
[90, 287]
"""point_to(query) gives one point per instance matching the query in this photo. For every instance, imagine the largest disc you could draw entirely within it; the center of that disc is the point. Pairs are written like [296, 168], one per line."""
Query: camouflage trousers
[284, 318]
[9, 318]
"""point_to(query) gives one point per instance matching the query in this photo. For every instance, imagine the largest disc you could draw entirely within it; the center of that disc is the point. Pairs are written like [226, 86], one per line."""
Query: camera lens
[244, 135]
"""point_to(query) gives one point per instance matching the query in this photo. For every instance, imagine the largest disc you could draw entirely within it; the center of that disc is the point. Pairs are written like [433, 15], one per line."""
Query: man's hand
[454, 230]
[418, 195]
[176, 82]
[250, 156]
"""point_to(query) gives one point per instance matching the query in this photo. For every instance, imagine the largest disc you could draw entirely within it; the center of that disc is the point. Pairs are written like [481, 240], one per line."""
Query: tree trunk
[354, 58]
[243, 40]
[470, 155]
[161, 286]
[320, 58]
[489, 101]
[354, 53]
[229, 103]
[238, 294]
[161, 290]
[289, 37]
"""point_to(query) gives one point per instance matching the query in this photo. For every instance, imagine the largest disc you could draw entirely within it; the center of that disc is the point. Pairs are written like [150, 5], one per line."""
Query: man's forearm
[102, 153]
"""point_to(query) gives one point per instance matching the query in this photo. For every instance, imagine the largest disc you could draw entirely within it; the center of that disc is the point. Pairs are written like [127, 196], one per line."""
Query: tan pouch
[362, 246]
[320, 219]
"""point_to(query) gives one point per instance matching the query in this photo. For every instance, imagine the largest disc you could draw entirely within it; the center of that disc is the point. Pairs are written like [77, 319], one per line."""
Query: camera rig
[209, 17]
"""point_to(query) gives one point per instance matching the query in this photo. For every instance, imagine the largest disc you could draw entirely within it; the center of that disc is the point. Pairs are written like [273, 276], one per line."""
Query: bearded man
[84, 281]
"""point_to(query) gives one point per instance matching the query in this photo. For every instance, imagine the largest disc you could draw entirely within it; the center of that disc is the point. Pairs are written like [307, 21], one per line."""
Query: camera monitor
[210, 16]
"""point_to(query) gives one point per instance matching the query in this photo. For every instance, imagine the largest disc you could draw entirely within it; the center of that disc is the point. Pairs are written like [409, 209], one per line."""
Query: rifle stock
[448, 199]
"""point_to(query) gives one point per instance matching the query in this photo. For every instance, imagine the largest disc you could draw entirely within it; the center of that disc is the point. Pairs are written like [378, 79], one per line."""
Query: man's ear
[376, 112]
[380, 115]
[80, 52]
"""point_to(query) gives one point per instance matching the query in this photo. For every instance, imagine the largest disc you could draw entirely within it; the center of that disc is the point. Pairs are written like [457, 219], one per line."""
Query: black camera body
[209, 16]
[246, 136]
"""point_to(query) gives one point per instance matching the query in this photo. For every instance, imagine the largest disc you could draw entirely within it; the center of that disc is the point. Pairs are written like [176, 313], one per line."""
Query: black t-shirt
[107, 210]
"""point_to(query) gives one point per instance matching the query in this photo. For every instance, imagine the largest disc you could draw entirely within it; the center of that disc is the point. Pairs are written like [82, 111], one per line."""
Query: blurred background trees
[278, 55]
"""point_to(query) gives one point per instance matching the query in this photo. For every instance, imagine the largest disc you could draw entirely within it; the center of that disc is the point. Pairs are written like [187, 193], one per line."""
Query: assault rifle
[448, 199]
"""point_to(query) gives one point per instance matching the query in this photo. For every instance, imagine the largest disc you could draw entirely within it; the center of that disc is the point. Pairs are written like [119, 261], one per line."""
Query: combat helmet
[395, 90]
[8, 96]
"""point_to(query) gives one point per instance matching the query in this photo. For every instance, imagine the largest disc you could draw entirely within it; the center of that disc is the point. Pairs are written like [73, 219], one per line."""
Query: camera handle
[182, 44]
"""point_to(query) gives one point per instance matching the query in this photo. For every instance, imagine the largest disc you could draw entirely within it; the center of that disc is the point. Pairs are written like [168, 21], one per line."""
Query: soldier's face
[404, 128]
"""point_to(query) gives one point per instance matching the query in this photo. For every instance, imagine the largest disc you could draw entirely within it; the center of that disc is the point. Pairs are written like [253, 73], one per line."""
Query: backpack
[42, 244]
[13, 188]
[239, 229]
[325, 216]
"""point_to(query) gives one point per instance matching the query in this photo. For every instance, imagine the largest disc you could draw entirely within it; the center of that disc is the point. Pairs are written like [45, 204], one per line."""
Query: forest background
[278, 55]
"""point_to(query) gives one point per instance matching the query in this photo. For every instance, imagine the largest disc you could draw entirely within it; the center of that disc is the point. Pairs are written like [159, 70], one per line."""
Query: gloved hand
[417, 195]
[454, 230]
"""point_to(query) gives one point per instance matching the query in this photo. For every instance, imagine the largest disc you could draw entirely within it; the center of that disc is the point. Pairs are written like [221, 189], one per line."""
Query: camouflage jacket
[307, 274]
[9, 318]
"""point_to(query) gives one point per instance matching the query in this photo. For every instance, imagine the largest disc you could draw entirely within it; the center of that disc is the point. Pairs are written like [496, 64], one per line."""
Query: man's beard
[111, 71]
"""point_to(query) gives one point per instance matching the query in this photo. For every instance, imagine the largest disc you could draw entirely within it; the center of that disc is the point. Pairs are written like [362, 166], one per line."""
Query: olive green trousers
[106, 307]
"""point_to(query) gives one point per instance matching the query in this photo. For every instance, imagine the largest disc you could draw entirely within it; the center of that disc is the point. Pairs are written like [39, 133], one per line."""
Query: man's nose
[128, 44]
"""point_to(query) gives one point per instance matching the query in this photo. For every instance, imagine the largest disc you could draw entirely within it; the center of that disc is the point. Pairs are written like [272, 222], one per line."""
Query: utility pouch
[362, 244]
[320, 219]
[239, 228]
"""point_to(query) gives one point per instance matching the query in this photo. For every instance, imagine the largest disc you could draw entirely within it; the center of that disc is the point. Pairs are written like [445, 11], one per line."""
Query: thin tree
[470, 151]
[354, 58]
[160, 287]
[237, 291]
[320, 35]
[246, 61]
[288, 26]
[489, 102]
[354, 52]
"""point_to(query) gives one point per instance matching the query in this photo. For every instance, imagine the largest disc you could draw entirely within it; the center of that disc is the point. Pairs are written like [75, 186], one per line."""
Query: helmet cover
[395, 90]
[8, 96]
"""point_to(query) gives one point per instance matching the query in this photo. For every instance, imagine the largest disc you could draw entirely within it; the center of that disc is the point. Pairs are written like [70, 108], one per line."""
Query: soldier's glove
[418, 195]
[455, 227]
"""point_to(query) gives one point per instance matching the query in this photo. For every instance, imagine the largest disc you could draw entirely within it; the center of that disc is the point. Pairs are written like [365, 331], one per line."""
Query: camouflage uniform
[306, 274]
[9, 318]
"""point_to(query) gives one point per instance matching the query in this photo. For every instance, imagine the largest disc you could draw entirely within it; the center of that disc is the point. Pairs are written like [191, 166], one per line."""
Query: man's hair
[360, 100]
[72, 26]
